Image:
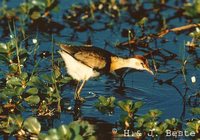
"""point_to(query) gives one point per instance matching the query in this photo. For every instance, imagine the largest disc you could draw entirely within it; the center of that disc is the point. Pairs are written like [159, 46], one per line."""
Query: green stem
[16, 46]
[55, 84]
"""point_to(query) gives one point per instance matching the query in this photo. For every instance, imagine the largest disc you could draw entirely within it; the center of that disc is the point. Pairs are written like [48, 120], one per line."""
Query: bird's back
[95, 58]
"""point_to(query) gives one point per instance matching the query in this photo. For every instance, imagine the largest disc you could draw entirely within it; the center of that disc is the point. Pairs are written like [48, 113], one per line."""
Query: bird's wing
[91, 59]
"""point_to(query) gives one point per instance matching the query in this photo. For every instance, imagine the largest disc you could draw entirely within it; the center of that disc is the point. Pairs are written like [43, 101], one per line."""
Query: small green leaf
[57, 72]
[127, 105]
[35, 15]
[52, 131]
[33, 99]
[154, 113]
[78, 137]
[138, 104]
[142, 21]
[140, 122]
[171, 122]
[8, 92]
[32, 91]
[13, 67]
[4, 58]
[14, 81]
[47, 78]
[63, 130]
[195, 110]
[65, 80]
[35, 82]
[102, 99]
[24, 76]
[193, 126]
[18, 120]
[3, 48]
[32, 125]
[19, 90]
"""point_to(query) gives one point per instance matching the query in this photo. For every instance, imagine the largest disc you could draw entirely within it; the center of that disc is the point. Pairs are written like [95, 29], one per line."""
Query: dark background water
[139, 86]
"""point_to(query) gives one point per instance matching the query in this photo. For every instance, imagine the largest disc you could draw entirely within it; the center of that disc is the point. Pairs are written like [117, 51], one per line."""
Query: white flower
[193, 79]
[69, 108]
[34, 41]
[11, 36]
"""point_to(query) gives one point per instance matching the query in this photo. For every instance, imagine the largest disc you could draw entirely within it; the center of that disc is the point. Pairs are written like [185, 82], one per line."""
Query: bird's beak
[150, 71]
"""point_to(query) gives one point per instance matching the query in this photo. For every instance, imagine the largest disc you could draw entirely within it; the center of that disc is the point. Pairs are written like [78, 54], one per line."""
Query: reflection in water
[77, 110]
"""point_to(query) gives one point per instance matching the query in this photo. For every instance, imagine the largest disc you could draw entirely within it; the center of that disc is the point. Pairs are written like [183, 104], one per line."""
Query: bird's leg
[122, 77]
[121, 82]
[76, 90]
[79, 90]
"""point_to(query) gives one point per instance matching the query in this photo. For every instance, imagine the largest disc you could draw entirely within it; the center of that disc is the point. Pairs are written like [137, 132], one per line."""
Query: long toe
[80, 99]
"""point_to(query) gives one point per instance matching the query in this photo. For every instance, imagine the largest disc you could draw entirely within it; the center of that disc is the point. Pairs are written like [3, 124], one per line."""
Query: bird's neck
[119, 63]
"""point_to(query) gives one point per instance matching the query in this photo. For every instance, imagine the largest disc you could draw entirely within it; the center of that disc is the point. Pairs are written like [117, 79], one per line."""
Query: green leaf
[47, 78]
[154, 113]
[33, 99]
[53, 134]
[8, 92]
[18, 120]
[57, 72]
[140, 121]
[13, 67]
[127, 105]
[74, 127]
[35, 82]
[194, 126]
[63, 130]
[3, 48]
[19, 90]
[150, 125]
[4, 58]
[105, 105]
[102, 99]
[138, 104]
[52, 131]
[24, 76]
[65, 80]
[23, 55]
[142, 21]
[171, 122]
[14, 81]
[32, 125]
[35, 15]
[78, 137]
[195, 110]
[32, 91]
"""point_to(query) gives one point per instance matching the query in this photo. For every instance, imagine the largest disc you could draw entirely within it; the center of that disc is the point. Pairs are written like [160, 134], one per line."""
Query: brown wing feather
[91, 59]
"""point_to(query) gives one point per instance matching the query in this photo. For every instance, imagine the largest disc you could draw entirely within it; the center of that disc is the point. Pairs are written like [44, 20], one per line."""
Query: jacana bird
[83, 63]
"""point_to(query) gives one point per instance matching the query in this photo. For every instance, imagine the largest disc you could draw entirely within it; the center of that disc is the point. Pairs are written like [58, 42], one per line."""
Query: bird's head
[140, 63]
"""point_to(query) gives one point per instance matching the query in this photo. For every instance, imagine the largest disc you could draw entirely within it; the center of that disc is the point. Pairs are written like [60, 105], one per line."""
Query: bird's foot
[78, 98]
